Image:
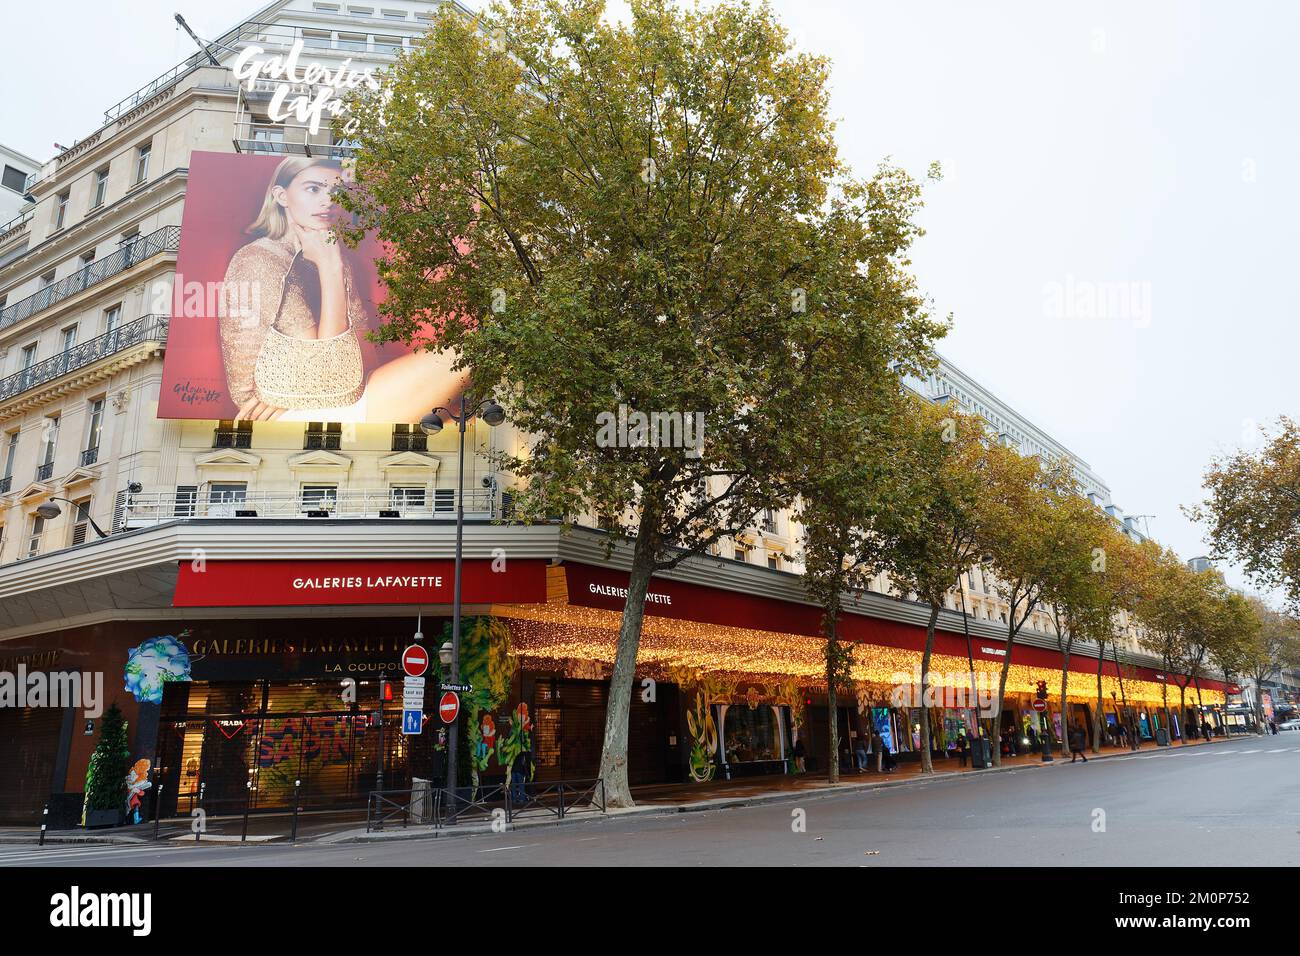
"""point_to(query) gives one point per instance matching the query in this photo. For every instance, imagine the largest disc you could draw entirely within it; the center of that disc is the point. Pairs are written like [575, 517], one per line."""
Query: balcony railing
[6, 484]
[150, 508]
[45, 472]
[410, 441]
[90, 456]
[166, 239]
[149, 328]
[232, 438]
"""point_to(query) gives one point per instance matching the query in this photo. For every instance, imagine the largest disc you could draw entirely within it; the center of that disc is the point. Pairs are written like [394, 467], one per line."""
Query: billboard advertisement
[270, 312]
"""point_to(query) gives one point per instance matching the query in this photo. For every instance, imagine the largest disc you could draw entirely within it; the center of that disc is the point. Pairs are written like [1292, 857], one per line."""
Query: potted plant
[106, 776]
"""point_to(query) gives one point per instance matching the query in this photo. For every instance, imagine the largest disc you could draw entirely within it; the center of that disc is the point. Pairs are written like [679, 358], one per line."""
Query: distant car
[1292, 724]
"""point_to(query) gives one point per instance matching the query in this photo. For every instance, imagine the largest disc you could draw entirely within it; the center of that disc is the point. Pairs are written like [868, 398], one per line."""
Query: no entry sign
[449, 706]
[415, 660]
[1040, 705]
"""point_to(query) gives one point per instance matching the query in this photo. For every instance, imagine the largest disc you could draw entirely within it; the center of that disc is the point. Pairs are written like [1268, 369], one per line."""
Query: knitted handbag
[304, 374]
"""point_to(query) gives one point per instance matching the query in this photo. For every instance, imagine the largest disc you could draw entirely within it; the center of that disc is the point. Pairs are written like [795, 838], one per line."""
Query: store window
[751, 734]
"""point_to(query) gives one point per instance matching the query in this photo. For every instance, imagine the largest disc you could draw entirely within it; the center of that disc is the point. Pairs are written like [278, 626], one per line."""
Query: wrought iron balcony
[232, 438]
[90, 456]
[6, 484]
[166, 239]
[45, 472]
[410, 441]
[149, 328]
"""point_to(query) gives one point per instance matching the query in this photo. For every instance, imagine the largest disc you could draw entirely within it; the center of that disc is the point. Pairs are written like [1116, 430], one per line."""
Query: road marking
[1250, 751]
[1279, 751]
[521, 846]
[34, 855]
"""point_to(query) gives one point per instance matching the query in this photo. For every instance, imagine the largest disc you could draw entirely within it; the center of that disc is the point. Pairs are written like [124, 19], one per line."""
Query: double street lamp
[49, 511]
[431, 424]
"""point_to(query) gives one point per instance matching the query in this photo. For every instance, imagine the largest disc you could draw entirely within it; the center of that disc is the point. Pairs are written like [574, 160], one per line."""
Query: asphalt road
[1203, 806]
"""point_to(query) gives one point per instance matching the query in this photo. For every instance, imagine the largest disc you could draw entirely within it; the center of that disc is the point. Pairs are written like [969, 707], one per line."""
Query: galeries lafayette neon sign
[288, 100]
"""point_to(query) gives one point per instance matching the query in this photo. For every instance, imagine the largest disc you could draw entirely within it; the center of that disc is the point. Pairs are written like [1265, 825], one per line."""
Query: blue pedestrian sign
[412, 721]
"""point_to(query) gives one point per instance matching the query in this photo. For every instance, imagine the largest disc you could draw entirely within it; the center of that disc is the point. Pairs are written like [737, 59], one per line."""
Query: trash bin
[981, 755]
[421, 800]
[1162, 737]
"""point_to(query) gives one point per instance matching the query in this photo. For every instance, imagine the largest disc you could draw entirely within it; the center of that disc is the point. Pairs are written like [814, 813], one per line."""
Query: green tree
[1016, 530]
[1253, 509]
[109, 763]
[1075, 587]
[1271, 644]
[646, 216]
[930, 554]
[863, 482]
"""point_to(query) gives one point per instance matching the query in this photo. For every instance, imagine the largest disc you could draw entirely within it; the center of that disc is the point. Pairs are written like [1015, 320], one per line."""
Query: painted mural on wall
[137, 782]
[155, 662]
[488, 663]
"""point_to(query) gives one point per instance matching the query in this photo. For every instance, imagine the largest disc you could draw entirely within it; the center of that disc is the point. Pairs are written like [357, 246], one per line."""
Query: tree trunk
[1065, 705]
[1096, 711]
[613, 754]
[832, 698]
[1200, 707]
[927, 761]
[1164, 701]
[1182, 712]
[1002, 693]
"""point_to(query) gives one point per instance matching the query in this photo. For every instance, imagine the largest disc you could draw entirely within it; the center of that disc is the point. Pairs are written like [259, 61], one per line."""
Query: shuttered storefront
[29, 745]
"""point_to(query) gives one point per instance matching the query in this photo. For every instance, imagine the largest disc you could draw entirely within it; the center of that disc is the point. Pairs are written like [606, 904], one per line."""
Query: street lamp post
[431, 424]
[50, 511]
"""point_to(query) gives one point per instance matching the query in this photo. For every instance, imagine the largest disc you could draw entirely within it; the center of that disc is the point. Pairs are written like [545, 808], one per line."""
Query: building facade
[243, 586]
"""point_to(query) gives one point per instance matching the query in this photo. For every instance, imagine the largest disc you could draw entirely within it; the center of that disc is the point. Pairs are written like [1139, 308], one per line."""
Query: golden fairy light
[581, 641]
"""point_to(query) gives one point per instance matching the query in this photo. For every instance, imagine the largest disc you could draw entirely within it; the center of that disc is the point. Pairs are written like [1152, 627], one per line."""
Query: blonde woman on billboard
[295, 355]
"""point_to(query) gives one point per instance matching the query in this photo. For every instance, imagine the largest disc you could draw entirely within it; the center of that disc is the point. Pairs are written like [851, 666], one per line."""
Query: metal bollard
[293, 835]
[199, 832]
[248, 798]
[157, 809]
[45, 816]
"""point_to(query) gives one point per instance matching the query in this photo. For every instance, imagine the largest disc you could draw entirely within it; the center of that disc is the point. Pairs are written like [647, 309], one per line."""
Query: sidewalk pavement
[660, 799]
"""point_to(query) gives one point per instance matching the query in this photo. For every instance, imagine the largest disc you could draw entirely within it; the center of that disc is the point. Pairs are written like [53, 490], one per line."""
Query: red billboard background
[224, 196]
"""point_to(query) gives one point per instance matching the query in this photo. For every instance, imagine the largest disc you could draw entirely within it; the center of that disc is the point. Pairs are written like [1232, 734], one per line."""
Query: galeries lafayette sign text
[298, 583]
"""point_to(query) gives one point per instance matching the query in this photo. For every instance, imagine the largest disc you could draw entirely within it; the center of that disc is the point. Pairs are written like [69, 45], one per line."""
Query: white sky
[1147, 147]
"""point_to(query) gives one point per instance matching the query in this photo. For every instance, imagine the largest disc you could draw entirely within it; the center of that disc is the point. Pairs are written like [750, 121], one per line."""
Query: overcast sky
[1145, 153]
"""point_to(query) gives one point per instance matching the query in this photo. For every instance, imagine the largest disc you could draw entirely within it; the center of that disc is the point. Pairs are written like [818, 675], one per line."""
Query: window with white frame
[407, 497]
[34, 535]
[100, 191]
[142, 154]
[112, 318]
[319, 497]
[81, 522]
[61, 208]
[11, 452]
[96, 426]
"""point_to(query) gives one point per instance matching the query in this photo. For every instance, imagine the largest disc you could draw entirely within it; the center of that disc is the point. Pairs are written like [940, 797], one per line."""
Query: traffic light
[1042, 690]
[385, 690]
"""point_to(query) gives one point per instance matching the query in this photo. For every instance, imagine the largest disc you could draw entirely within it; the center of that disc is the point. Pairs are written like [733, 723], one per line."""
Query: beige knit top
[267, 285]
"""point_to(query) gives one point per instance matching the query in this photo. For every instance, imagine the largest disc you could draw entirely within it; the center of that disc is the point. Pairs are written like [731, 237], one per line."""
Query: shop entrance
[571, 731]
[216, 739]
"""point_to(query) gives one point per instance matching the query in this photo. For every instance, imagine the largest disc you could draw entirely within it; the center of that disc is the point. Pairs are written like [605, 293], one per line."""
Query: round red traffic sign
[415, 660]
[1040, 705]
[449, 706]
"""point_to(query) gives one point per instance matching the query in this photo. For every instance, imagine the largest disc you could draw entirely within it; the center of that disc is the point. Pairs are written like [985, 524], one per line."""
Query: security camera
[135, 488]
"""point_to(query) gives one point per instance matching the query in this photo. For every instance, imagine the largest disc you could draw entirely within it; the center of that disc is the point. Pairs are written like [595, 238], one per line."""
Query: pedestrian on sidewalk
[520, 773]
[962, 746]
[800, 756]
[1078, 743]
[878, 747]
[860, 753]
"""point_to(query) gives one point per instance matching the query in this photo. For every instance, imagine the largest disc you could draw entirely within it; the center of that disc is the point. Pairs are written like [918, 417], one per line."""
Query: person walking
[1078, 743]
[800, 756]
[521, 771]
[878, 748]
[860, 753]
[962, 746]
